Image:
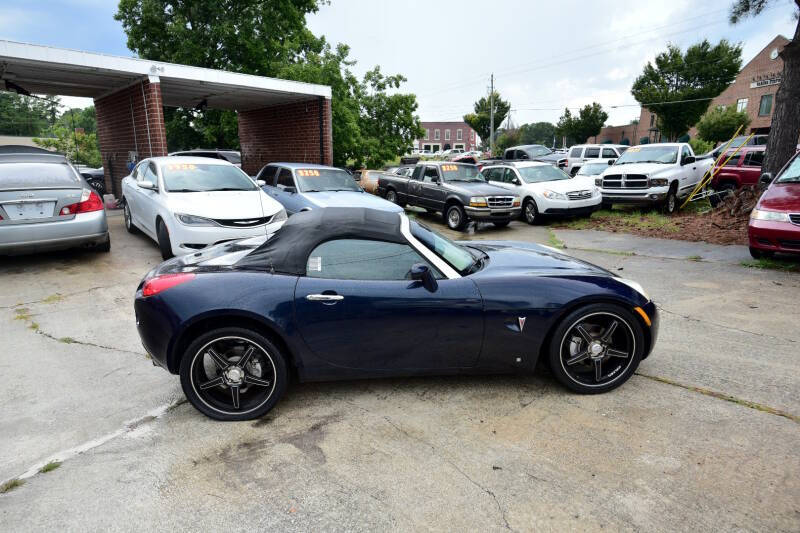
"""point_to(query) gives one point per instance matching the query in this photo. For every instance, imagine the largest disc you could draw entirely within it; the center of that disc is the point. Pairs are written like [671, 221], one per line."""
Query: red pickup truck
[743, 169]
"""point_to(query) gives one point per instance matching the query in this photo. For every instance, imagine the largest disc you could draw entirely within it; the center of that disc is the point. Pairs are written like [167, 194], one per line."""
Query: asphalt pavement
[703, 437]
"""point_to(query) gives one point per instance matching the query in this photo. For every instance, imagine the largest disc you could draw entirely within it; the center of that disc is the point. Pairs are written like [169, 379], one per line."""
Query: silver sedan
[46, 205]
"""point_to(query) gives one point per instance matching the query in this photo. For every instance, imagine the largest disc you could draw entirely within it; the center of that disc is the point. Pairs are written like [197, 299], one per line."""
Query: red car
[775, 222]
[743, 169]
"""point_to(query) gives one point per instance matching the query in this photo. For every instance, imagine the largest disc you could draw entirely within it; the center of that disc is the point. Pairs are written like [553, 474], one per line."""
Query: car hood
[781, 197]
[224, 205]
[550, 157]
[476, 189]
[350, 199]
[637, 168]
[578, 183]
[508, 258]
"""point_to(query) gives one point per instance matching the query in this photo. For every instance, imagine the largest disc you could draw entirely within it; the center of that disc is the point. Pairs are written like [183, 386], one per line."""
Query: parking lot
[703, 437]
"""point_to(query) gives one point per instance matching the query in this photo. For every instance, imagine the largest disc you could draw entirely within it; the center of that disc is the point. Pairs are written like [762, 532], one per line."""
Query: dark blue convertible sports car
[344, 293]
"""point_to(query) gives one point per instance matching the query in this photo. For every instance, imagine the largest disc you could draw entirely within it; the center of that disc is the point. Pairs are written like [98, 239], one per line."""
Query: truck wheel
[455, 217]
[671, 203]
[391, 196]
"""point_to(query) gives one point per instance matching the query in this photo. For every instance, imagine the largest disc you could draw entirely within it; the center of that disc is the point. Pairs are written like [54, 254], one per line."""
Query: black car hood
[523, 258]
[478, 188]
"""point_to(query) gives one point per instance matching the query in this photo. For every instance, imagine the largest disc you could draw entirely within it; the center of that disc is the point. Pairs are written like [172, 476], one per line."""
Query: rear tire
[391, 196]
[104, 247]
[266, 363]
[164, 243]
[578, 367]
[126, 215]
[455, 217]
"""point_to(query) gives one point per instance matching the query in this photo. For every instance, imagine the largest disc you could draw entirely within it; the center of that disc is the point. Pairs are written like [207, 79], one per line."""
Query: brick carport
[279, 120]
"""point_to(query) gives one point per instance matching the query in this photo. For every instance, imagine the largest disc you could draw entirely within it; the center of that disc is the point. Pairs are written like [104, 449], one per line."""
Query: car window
[733, 161]
[540, 173]
[201, 177]
[509, 175]
[493, 174]
[325, 179]
[609, 153]
[364, 260]
[285, 178]
[417, 174]
[792, 172]
[149, 174]
[268, 174]
[576, 151]
[649, 154]
[592, 152]
[754, 159]
[431, 175]
[685, 153]
[460, 172]
[592, 169]
[138, 172]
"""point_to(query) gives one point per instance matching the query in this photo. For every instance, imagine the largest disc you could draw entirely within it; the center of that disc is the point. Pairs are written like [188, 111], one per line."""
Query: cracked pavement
[700, 437]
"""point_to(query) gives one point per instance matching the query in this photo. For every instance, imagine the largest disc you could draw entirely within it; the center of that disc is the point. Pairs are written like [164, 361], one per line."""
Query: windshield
[199, 177]
[455, 255]
[22, 175]
[649, 154]
[540, 173]
[592, 169]
[325, 179]
[537, 151]
[792, 172]
[460, 172]
[233, 157]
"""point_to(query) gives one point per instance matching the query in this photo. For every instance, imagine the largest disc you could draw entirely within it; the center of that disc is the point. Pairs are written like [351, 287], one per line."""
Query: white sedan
[545, 189]
[188, 203]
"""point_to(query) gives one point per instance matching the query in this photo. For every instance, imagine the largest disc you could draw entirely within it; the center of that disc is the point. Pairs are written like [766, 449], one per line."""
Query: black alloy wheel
[456, 217]
[233, 374]
[596, 348]
[126, 215]
[530, 212]
[164, 243]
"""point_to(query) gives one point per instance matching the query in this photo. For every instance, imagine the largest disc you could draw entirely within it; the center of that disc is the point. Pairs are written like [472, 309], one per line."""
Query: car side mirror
[420, 272]
[261, 183]
[515, 181]
[147, 184]
[687, 160]
[765, 179]
[611, 162]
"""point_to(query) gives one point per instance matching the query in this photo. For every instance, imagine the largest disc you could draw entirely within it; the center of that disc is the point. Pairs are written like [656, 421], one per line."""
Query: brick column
[298, 132]
[130, 120]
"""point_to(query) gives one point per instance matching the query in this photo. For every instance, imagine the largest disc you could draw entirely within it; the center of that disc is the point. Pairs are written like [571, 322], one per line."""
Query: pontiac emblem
[521, 323]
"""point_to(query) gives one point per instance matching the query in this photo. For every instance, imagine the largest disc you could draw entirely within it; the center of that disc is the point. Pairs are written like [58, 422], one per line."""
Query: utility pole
[491, 116]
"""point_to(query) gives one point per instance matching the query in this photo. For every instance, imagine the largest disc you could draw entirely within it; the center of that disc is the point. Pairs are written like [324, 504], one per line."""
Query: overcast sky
[545, 55]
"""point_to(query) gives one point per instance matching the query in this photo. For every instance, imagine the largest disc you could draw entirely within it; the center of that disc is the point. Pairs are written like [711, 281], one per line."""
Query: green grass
[554, 241]
[621, 217]
[11, 484]
[769, 263]
[53, 298]
[626, 253]
[23, 313]
[695, 258]
[67, 340]
[49, 467]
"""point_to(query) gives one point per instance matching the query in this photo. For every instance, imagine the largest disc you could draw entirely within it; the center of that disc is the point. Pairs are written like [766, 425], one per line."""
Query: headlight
[772, 216]
[552, 195]
[596, 191]
[280, 216]
[517, 202]
[635, 286]
[478, 201]
[658, 182]
[192, 220]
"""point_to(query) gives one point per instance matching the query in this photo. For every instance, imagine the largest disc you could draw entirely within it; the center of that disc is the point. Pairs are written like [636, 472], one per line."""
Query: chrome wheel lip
[621, 373]
[202, 352]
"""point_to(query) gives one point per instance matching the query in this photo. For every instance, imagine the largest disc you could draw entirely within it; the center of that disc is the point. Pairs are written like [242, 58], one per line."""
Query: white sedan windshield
[199, 177]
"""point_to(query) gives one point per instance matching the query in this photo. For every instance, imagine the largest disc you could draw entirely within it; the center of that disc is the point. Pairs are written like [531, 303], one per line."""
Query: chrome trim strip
[435, 260]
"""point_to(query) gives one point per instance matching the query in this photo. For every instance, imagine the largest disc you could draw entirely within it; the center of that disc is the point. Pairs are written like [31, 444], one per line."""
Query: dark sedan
[344, 293]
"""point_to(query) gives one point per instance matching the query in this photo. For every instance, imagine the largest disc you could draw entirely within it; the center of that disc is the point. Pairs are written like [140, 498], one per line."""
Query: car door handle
[324, 297]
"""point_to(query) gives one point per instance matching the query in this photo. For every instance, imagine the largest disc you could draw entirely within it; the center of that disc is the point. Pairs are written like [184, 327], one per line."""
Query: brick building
[617, 135]
[447, 135]
[753, 91]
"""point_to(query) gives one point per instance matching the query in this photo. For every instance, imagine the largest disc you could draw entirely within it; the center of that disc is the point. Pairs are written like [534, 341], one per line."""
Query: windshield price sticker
[449, 168]
[634, 149]
[182, 166]
[307, 172]
[315, 264]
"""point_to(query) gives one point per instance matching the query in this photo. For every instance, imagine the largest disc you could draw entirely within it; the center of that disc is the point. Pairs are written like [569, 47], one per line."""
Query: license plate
[29, 210]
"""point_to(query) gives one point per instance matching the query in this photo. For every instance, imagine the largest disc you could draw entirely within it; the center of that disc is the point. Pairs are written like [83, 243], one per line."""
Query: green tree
[26, 116]
[79, 147]
[679, 87]
[480, 120]
[508, 138]
[587, 123]
[537, 133]
[785, 128]
[85, 119]
[720, 124]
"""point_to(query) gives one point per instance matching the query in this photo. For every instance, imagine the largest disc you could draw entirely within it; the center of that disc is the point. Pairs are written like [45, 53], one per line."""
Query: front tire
[671, 203]
[233, 374]
[455, 217]
[164, 244]
[596, 348]
[529, 212]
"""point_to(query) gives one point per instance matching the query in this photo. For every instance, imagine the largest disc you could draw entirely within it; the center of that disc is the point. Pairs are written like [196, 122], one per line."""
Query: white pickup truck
[653, 174]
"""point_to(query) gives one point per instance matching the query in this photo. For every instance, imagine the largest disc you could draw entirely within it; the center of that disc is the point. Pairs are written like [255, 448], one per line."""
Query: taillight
[90, 201]
[161, 283]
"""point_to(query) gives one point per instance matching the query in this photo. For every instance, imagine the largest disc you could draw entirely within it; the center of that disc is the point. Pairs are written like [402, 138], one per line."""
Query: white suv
[592, 152]
[545, 189]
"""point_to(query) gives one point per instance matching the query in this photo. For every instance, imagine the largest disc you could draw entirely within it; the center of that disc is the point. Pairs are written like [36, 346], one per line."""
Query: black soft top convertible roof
[287, 251]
